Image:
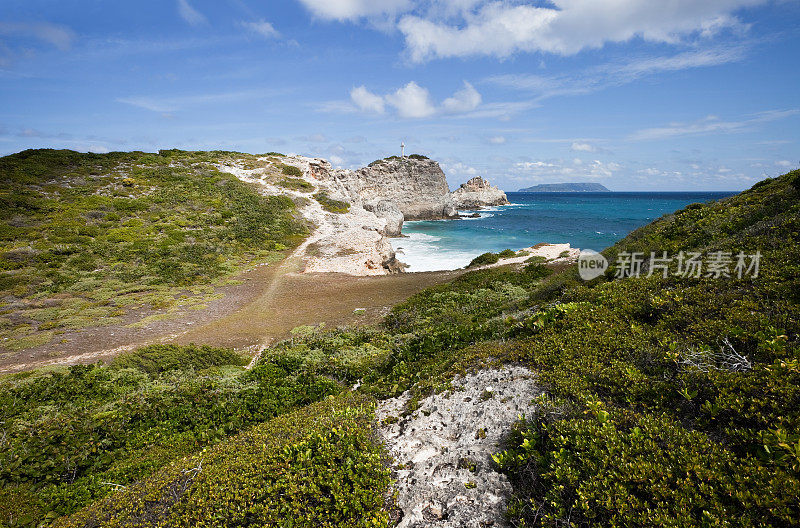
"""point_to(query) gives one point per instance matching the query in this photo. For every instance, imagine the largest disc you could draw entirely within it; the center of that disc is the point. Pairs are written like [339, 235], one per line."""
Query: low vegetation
[331, 205]
[670, 400]
[486, 259]
[291, 170]
[87, 239]
[296, 184]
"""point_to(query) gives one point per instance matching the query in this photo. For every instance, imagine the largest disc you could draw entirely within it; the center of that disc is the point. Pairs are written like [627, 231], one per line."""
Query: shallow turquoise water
[585, 220]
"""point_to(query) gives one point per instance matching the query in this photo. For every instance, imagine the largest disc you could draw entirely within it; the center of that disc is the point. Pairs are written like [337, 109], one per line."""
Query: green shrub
[536, 259]
[297, 184]
[795, 180]
[68, 433]
[507, 253]
[331, 205]
[484, 260]
[155, 359]
[318, 466]
[418, 157]
[291, 170]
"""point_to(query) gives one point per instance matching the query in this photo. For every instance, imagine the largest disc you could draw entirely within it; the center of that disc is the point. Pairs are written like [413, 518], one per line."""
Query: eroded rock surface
[442, 452]
[477, 193]
[416, 185]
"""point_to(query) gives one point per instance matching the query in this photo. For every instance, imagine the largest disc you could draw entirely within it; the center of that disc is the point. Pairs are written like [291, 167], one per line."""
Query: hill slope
[86, 239]
[669, 400]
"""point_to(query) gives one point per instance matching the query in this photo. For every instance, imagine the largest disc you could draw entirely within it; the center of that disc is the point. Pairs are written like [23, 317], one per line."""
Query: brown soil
[265, 307]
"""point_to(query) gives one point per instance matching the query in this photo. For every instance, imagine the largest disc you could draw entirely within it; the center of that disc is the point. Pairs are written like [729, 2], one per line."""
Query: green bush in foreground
[155, 359]
[320, 466]
[72, 436]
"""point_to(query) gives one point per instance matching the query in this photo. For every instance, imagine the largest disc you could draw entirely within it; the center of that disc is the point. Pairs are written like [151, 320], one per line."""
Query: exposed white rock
[477, 193]
[416, 185]
[442, 452]
[389, 211]
[354, 243]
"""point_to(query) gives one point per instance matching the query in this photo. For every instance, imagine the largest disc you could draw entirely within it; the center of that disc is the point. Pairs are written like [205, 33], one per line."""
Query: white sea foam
[421, 253]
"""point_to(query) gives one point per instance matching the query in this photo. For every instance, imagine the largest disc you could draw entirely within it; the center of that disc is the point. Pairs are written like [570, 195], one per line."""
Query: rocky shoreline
[376, 201]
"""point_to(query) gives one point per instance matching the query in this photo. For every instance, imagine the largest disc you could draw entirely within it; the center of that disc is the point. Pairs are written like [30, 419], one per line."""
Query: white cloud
[190, 15]
[263, 28]
[500, 29]
[784, 163]
[412, 101]
[460, 169]
[58, 36]
[497, 140]
[367, 101]
[559, 170]
[614, 73]
[354, 9]
[583, 147]
[711, 125]
[464, 100]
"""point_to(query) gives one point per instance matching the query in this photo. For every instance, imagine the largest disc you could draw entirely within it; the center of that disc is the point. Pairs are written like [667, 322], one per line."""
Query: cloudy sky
[635, 94]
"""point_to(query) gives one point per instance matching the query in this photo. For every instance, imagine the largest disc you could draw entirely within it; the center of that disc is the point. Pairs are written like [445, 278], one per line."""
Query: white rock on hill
[443, 471]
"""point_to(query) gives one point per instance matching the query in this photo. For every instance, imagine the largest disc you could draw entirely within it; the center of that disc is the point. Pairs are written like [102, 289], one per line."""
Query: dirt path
[269, 302]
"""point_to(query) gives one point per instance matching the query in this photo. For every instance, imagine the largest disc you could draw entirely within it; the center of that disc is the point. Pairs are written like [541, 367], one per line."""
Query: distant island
[566, 187]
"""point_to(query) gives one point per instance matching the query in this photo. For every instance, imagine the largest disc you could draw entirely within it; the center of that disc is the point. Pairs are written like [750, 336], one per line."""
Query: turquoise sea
[585, 220]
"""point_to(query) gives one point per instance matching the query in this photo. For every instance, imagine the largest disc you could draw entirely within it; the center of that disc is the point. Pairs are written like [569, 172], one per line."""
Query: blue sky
[634, 94]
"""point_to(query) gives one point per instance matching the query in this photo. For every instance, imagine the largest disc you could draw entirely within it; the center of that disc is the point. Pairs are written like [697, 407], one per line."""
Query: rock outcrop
[477, 193]
[416, 185]
[444, 474]
[389, 211]
[381, 196]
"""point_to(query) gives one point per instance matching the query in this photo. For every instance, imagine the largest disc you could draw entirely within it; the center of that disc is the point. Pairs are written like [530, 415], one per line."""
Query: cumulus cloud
[497, 140]
[190, 15]
[567, 27]
[412, 101]
[464, 100]
[263, 28]
[367, 101]
[583, 147]
[354, 9]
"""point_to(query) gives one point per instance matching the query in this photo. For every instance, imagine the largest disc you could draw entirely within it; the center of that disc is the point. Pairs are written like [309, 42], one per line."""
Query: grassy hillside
[670, 401]
[87, 238]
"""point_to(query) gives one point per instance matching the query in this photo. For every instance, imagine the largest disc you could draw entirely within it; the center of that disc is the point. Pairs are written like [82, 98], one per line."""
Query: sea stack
[477, 193]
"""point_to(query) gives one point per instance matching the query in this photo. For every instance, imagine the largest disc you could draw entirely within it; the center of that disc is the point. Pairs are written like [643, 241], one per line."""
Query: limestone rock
[388, 210]
[477, 193]
[443, 469]
[416, 185]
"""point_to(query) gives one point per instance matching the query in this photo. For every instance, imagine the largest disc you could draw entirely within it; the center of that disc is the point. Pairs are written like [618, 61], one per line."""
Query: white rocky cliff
[415, 184]
[477, 193]
[379, 198]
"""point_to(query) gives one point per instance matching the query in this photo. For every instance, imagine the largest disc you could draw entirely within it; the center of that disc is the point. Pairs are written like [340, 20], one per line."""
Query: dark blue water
[584, 220]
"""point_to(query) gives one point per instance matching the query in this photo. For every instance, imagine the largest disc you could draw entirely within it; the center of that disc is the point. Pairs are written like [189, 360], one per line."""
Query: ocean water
[585, 220]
